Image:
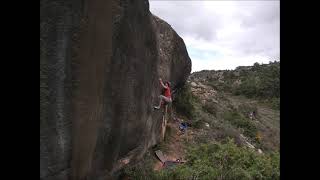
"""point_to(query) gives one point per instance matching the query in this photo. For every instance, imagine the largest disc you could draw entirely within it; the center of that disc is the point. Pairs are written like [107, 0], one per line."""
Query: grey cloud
[264, 12]
[188, 18]
[265, 40]
[262, 21]
[260, 25]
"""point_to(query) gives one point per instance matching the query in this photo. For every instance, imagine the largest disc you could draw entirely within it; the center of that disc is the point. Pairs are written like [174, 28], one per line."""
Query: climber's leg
[160, 101]
[163, 99]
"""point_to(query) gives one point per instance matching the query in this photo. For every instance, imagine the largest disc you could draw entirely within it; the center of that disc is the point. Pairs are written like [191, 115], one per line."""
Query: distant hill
[226, 98]
[260, 81]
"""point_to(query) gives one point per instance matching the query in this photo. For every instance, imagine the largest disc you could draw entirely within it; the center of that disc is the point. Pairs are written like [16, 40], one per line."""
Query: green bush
[237, 120]
[197, 123]
[248, 87]
[221, 86]
[275, 103]
[198, 119]
[262, 81]
[210, 107]
[225, 161]
[184, 102]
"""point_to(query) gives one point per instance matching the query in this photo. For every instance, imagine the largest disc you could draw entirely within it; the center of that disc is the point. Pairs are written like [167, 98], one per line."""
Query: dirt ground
[174, 144]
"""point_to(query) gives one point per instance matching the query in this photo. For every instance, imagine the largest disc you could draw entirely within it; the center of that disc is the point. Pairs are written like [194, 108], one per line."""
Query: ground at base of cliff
[234, 128]
[209, 126]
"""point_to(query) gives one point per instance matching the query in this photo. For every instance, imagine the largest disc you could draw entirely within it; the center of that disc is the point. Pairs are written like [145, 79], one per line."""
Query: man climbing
[167, 94]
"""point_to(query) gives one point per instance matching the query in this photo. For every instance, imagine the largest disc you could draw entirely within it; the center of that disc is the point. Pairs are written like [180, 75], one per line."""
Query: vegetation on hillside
[222, 127]
[225, 161]
[249, 129]
[184, 102]
[263, 82]
[260, 81]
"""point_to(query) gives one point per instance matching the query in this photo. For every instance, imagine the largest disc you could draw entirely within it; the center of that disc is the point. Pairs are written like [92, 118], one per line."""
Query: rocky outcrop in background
[99, 67]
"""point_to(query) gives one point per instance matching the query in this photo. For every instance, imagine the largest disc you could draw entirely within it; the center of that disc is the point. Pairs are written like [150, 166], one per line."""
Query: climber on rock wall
[167, 94]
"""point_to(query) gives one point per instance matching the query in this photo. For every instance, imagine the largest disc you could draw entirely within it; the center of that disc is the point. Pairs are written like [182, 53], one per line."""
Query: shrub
[210, 107]
[199, 118]
[262, 81]
[184, 102]
[275, 103]
[225, 161]
[237, 120]
[248, 87]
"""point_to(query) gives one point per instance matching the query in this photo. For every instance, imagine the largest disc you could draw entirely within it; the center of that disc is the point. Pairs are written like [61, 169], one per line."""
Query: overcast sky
[224, 34]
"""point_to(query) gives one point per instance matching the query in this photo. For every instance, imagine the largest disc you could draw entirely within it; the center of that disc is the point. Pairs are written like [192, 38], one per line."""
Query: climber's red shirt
[167, 92]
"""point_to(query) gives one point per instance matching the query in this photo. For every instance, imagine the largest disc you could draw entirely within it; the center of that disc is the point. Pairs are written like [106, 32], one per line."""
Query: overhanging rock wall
[100, 62]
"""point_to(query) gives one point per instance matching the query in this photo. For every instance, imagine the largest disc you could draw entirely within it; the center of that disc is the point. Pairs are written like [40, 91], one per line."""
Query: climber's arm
[164, 86]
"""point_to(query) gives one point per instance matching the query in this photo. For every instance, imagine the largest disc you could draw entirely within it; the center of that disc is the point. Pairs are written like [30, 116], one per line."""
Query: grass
[215, 160]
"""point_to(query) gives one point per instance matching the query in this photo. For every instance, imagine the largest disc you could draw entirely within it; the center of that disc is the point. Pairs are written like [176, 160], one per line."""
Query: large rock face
[99, 67]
